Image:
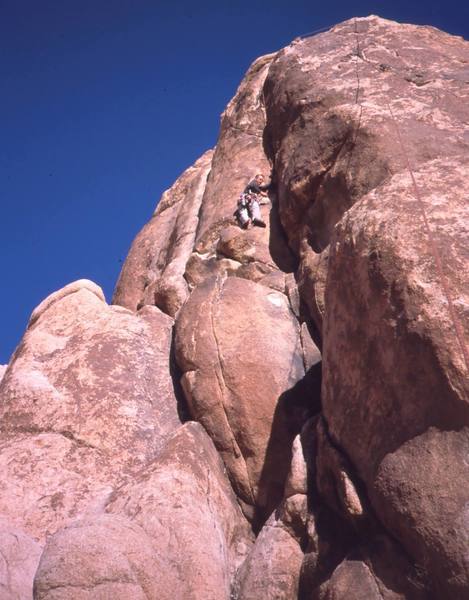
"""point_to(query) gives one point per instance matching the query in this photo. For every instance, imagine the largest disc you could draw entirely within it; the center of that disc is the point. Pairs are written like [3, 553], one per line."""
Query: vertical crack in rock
[153, 272]
[176, 374]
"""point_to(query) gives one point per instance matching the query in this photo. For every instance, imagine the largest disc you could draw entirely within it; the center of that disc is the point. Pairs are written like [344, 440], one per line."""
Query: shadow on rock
[294, 407]
[278, 244]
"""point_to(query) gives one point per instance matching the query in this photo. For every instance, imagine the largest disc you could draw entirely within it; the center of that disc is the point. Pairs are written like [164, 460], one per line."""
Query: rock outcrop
[272, 569]
[87, 401]
[175, 529]
[239, 348]
[153, 272]
[276, 412]
[395, 299]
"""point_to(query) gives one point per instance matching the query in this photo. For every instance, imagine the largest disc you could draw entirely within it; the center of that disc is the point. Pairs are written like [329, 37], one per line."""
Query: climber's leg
[243, 217]
[256, 214]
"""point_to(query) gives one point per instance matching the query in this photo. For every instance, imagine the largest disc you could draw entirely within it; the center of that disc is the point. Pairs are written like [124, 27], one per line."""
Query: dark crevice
[200, 209]
[370, 526]
[176, 374]
[367, 541]
[279, 247]
[293, 409]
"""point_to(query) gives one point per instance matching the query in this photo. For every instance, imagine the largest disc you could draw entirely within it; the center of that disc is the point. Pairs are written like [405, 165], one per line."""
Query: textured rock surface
[153, 272]
[272, 569]
[420, 492]
[19, 557]
[312, 277]
[90, 436]
[174, 531]
[386, 313]
[193, 230]
[186, 506]
[239, 153]
[329, 125]
[390, 351]
[353, 580]
[104, 557]
[378, 571]
[87, 400]
[238, 346]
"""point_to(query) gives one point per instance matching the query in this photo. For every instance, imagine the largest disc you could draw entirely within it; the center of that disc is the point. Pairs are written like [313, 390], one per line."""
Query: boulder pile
[273, 413]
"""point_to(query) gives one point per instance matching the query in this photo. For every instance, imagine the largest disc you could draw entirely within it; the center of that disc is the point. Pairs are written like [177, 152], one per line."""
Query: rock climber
[249, 202]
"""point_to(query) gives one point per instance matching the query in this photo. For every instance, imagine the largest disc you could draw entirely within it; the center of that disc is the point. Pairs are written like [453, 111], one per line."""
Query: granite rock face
[272, 569]
[239, 348]
[371, 168]
[102, 557]
[87, 401]
[153, 272]
[19, 555]
[175, 530]
[276, 412]
[413, 422]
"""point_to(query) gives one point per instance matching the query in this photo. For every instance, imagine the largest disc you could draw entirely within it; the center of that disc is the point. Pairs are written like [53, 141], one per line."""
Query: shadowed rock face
[351, 466]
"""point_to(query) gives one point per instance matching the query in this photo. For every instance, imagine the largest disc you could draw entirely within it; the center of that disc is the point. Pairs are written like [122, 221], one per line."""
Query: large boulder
[377, 571]
[332, 102]
[272, 569]
[174, 530]
[238, 347]
[106, 556]
[187, 508]
[353, 115]
[395, 386]
[87, 401]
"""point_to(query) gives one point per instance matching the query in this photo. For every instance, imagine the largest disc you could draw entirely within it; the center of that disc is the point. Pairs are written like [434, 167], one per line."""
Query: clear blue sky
[104, 103]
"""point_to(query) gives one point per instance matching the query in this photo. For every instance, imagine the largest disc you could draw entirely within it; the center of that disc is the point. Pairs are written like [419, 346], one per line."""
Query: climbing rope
[433, 246]
[431, 238]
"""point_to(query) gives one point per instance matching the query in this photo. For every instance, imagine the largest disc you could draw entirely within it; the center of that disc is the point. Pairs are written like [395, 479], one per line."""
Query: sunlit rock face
[174, 530]
[276, 412]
